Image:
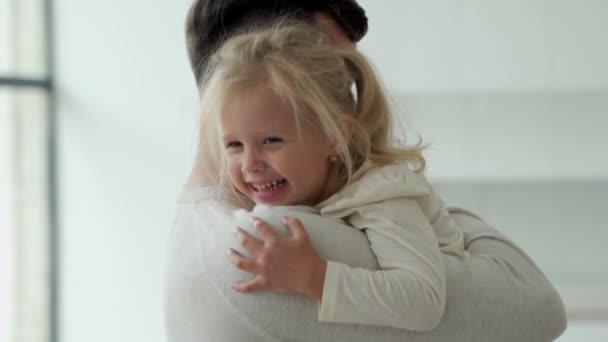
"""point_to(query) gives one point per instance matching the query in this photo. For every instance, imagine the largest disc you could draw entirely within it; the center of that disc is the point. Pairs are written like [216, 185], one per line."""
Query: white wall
[127, 104]
[483, 45]
[504, 90]
[126, 108]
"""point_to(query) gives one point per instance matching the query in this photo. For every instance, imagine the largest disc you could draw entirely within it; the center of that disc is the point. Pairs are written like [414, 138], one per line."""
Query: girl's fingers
[296, 227]
[251, 244]
[245, 264]
[266, 232]
[256, 284]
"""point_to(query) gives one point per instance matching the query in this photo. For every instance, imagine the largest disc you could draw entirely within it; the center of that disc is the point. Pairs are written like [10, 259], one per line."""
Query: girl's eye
[233, 144]
[272, 140]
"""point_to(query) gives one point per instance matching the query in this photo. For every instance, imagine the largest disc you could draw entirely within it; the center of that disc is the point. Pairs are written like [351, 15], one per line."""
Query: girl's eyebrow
[266, 132]
[273, 129]
[227, 137]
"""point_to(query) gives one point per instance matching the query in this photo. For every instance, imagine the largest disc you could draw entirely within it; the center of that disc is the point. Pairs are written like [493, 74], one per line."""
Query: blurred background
[97, 116]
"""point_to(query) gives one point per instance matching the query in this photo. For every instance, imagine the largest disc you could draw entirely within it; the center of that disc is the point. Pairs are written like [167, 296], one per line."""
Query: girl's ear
[346, 123]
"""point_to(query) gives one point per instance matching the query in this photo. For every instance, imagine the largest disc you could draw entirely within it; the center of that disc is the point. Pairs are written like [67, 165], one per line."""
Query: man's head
[211, 22]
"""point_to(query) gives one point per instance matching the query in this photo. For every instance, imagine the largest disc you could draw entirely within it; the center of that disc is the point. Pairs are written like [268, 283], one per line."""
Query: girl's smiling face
[267, 160]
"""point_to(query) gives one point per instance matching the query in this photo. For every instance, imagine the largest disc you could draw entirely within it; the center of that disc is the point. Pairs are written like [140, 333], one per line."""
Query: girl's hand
[280, 264]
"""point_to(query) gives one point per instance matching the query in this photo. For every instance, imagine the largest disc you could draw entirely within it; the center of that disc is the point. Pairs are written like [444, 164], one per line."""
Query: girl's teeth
[269, 186]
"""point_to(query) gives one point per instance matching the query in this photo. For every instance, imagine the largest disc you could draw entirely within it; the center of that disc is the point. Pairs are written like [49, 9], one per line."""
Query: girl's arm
[409, 292]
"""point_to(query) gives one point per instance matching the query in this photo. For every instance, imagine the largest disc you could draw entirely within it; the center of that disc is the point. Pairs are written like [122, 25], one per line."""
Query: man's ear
[334, 30]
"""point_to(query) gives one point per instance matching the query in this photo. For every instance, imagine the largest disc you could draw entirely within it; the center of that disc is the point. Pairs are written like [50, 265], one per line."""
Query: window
[27, 281]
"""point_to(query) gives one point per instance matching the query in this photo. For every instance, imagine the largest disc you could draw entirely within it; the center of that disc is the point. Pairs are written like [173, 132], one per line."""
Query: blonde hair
[314, 77]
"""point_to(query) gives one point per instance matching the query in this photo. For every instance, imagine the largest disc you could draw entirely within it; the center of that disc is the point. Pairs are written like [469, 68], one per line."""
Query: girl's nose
[253, 163]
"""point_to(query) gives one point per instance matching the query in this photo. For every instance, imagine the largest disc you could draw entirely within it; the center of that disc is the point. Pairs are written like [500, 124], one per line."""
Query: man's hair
[211, 22]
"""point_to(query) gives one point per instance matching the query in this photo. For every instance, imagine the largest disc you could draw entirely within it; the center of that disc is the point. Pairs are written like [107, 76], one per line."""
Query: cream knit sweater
[408, 227]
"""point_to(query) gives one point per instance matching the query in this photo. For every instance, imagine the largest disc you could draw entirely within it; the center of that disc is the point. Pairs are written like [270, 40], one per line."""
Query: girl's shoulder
[393, 170]
[375, 183]
[398, 175]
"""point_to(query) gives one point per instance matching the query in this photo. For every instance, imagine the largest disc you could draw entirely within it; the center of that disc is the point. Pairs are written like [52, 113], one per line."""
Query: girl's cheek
[232, 166]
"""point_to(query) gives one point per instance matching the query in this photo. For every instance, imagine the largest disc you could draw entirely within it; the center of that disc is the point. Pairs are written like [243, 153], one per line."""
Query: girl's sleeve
[409, 292]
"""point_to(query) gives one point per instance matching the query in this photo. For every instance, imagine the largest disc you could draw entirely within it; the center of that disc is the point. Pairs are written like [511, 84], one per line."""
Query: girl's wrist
[316, 280]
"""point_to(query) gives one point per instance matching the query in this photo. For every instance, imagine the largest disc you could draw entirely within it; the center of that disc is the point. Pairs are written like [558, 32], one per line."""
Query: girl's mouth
[268, 192]
[270, 186]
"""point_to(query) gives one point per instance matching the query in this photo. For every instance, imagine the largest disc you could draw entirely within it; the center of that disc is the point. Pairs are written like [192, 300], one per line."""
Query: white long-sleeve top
[408, 226]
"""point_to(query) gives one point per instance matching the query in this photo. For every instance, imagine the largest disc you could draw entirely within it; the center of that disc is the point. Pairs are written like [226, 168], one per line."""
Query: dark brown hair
[211, 22]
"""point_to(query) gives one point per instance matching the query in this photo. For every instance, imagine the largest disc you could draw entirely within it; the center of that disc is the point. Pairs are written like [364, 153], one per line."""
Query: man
[496, 294]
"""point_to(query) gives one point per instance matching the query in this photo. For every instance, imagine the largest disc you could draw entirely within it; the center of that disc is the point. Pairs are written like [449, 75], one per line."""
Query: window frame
[46, 84]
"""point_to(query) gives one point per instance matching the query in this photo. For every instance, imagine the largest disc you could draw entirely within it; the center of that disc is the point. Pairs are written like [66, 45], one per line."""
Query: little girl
[286, 128]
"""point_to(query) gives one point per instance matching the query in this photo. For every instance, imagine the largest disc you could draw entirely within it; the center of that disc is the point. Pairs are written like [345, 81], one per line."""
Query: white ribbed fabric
[494, 291]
